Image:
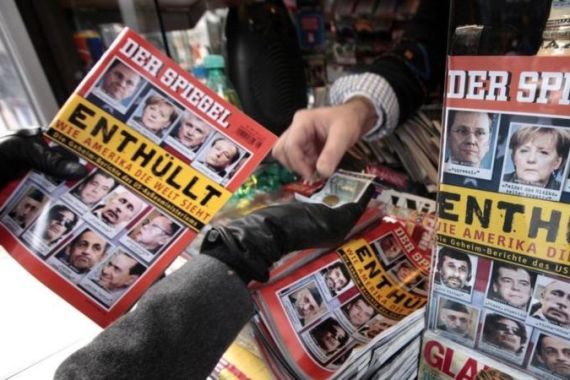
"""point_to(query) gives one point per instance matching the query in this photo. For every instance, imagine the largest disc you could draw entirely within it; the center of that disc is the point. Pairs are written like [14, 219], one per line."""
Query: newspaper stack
[393, 354]
[414, 145]
[337, 315]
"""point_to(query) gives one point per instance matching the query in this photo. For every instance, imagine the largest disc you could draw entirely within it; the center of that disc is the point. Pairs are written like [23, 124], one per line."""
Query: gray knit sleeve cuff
[376, 89]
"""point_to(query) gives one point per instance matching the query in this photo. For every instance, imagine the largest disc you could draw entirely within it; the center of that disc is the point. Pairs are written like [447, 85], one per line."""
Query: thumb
[65, 168]
[348, 214]
[60, 164]
[339, 140]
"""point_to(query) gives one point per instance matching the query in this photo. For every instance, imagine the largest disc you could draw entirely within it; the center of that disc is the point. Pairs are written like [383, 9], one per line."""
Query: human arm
[179, 329]
[183, 324]
[392, 88]
[317, 139]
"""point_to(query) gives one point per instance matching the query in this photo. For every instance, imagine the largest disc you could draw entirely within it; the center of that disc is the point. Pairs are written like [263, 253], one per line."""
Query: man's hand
[251, 244]
[22, 152]
[317, 139]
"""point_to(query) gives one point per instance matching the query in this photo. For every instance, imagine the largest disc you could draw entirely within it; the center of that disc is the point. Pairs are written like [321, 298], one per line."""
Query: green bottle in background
[217, 80]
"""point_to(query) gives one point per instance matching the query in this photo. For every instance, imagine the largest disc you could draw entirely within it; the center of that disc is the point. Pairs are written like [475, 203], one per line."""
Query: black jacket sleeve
[178, 330]
[417, 63]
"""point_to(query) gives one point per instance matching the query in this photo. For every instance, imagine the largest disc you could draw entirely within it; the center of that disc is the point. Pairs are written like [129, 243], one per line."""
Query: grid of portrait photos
[93, 233]
[135, 101]
[505, 310]
[330, 315]
[524, 155]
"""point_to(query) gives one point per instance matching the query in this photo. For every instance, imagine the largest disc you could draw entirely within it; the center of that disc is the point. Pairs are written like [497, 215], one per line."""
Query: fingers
[366, 197]
[296, 148]
[37, 155]
[66, 164]
[344, 218]
[300, 160]
[64, 168]
[340, 138]
[317, 139]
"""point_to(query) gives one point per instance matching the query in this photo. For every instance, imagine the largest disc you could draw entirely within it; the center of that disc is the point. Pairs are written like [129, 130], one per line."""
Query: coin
[331, 200]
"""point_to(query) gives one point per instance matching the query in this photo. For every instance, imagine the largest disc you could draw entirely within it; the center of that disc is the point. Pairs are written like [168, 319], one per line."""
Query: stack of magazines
[355, 311]
[393, 354]
[414, 146]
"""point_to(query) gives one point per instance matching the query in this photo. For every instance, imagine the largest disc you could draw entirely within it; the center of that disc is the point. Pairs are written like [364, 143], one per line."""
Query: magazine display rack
[501, 275]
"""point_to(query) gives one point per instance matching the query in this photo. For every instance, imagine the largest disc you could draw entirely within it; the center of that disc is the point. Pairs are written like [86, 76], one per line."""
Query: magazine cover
[501, 280]
[319, 314]
[164, 154]
[340, 188]
[416, 214]
[442, 359]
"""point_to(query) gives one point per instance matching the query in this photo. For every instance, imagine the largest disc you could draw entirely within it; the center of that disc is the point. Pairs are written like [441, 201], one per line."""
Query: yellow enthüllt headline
[528, 232]
[138, 163]
[382, 290]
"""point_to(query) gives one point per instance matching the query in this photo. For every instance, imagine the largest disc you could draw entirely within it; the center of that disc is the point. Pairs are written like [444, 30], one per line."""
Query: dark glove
[22, 152]
[250, 245]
